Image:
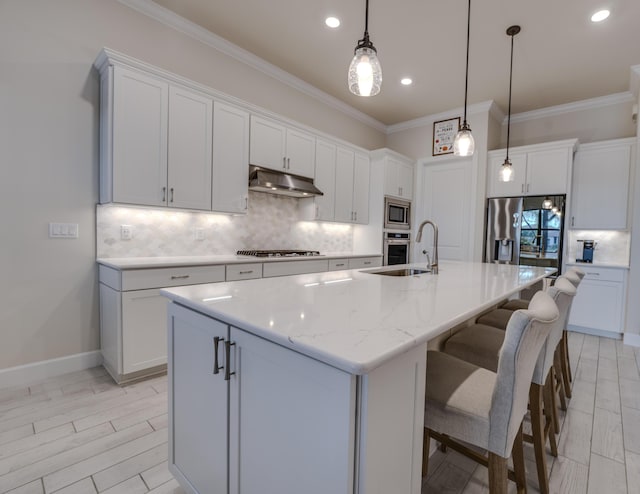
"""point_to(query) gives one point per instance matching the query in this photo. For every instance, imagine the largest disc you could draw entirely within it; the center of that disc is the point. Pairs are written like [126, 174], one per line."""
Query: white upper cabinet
[398, 178]
[190, 142]
[278, 147]
[160, 147]
[540, 169]
[325, 181]
[352, 187]
[230, 158]
[600, 191]
[134, 138]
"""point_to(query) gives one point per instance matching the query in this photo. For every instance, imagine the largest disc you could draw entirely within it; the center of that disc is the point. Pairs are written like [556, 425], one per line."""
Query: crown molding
[171, 19]
[484, 107]
[587, 104]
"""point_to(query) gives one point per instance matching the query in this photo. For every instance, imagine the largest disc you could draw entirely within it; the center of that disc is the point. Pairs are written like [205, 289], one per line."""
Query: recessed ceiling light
[600, 16]
[332, 22]
[406, 81]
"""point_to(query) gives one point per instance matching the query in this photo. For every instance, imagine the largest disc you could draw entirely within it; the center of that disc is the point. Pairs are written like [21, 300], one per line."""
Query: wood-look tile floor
[81, 433]
[599, 443]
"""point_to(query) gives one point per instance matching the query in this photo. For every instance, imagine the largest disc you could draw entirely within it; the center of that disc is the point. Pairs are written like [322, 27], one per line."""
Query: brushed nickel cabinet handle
[246, 272]
[284, 162]
[367, 262]
[164, 194]
[171, 194]
[180, 277]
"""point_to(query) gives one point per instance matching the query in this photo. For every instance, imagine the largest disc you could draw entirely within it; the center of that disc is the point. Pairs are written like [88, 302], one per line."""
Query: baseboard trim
[595, 332]
[632, 339]
[29, 373]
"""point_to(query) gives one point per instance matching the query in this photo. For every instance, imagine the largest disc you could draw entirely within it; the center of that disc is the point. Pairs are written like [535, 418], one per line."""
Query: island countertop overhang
[356, 320]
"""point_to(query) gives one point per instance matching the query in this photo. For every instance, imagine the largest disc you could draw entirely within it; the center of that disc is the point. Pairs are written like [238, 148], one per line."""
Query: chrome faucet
[432, 265]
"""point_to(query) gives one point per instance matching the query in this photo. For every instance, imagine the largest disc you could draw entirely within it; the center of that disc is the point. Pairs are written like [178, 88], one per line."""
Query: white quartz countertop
[167, 262]
[355, 320]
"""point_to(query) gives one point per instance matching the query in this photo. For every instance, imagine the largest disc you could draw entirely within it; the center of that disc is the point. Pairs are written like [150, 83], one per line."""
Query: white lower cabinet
[599, 304]
[365, 262]
[271, 269]
[248, 416]
[251, 416]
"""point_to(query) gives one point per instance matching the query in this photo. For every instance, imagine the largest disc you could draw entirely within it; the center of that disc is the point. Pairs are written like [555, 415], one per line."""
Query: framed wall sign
[444, 132]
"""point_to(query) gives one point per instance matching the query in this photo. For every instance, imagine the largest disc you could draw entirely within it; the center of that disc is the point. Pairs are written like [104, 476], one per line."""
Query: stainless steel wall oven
[396, 248]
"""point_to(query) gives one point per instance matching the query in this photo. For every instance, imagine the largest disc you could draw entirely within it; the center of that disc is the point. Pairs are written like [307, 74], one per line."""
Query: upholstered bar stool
[481, 344]
[465, 402]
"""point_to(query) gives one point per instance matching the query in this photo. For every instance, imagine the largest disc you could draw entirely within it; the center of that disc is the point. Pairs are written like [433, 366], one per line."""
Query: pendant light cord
[510, 82]
[366, 20]
[466, 75]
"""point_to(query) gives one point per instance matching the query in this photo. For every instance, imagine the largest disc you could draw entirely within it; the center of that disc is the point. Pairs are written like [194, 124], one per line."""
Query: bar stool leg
[497, 474]
[535, 406]
[550, 414]
[566, 365]
[425, 452]
[517, 453]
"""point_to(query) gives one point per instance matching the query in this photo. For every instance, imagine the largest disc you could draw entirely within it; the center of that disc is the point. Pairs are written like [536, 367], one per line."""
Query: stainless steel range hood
[275, 182]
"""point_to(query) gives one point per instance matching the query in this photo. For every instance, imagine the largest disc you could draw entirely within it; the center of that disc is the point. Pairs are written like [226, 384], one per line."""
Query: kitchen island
[314, 383]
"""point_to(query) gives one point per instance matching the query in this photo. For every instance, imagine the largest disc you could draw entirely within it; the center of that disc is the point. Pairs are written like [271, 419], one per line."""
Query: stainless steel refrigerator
[525, 230]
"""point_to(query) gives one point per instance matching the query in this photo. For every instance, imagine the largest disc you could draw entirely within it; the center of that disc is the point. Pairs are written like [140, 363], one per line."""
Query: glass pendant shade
[365, 72]
[547, 203]
[506, 172]
[463, 144]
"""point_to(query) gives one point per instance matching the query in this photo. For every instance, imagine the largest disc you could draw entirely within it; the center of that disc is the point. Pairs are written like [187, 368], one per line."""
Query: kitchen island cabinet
[325, 375]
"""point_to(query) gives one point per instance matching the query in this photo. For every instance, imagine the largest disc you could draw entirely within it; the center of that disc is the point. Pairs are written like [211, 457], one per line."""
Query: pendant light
[463, 144]
[506, 172]
[547, 203]
[365, 73]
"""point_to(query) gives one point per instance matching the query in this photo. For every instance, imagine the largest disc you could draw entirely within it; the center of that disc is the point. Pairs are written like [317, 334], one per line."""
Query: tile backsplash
[272, 222]
[613, 246]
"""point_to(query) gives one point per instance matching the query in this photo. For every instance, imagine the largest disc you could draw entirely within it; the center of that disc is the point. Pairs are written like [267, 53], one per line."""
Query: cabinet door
[325, 180]
[144, 330]
[391, 179]
[290, 418]
[344, 185]
[198, 400]
[230, 159]
[301, 153]
[548, 172]
[190, 139]
[361, 189]
[601, 187]
[598, 305]
[140, 114]
[288, 268]
[267, 144]
[405, 180]
[496, 188]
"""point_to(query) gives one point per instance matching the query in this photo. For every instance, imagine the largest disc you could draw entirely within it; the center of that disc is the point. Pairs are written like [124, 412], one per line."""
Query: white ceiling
[559, 57]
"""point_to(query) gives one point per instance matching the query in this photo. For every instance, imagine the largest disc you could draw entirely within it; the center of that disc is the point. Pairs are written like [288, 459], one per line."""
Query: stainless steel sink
[400, 272]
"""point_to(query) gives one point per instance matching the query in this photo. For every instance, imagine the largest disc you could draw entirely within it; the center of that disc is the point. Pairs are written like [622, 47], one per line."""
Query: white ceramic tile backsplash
[271, 223]
[612, 247]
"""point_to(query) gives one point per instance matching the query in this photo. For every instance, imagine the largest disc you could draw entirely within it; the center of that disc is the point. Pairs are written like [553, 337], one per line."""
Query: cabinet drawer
[237, 272]
[137, 279]
[602, 274]
[365, 262]
[271, 269]
[338, 264]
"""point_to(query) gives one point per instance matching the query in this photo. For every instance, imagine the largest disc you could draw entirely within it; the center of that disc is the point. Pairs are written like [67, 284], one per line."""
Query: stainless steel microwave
[397, 214]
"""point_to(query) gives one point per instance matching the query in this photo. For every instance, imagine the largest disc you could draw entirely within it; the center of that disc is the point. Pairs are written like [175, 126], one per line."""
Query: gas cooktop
[278, 253]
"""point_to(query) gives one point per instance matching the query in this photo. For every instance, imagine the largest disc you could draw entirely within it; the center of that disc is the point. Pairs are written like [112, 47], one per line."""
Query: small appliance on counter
[588, 246]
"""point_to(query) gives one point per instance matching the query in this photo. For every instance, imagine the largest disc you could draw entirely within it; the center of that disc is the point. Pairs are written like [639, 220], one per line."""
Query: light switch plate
[63, 230]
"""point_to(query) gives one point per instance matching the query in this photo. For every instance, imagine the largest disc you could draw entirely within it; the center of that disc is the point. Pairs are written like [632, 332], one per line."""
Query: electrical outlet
[126, 232]
[199, 233]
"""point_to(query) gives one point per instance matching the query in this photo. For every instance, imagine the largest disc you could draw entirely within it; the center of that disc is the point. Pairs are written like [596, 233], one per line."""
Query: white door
[190, 139]
[325, 180]
[230, 159]
[344, 185]
[548, 172]
[198, 401]
[144, 330]
[361, 175]
[140, 113]
[291, 421]
[301, 153]
[448, 200]
[267, 143]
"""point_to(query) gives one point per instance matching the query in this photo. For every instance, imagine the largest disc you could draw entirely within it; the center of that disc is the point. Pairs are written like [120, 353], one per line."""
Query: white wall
[49, 106]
